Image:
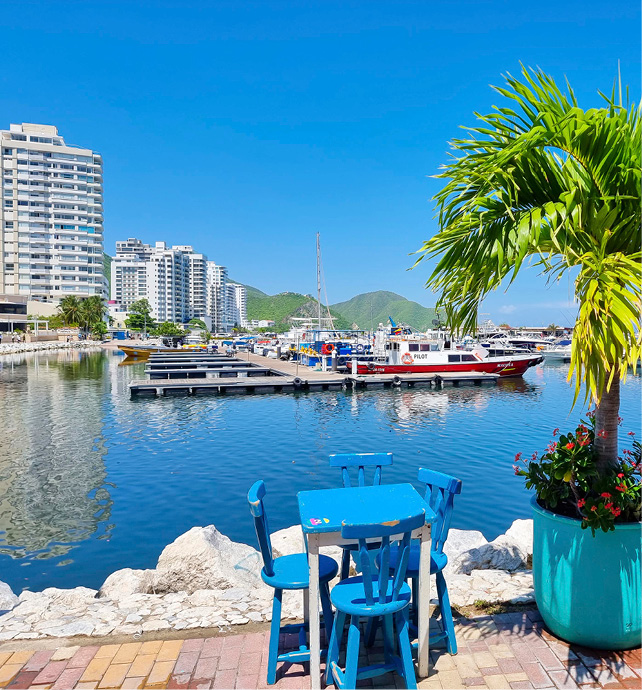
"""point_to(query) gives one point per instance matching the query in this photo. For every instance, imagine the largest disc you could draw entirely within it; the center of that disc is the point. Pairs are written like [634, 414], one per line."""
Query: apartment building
[239, 299]
[51, 215]
[179, 283]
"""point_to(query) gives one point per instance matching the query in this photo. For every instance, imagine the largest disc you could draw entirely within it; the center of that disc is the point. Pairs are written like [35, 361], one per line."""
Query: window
[424, 348]
[7, 152]
[413, 347]
[454, 358]
[468, 358]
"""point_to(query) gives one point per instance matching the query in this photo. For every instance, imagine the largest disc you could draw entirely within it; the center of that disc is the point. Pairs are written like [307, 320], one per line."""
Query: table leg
[313, 612]
[424, 603]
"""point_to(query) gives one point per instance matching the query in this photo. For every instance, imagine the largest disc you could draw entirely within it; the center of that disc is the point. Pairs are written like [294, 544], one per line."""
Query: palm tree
[92, 311]
[542, 179]
[69, 310]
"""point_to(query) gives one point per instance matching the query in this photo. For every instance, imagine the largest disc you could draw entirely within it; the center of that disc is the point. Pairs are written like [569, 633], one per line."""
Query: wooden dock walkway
[197, 373]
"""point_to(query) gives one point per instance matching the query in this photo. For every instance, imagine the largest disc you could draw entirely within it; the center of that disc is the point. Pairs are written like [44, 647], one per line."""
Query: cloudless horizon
[243, 128]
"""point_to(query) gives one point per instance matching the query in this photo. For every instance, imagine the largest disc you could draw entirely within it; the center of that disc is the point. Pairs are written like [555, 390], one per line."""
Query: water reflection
[52, 471]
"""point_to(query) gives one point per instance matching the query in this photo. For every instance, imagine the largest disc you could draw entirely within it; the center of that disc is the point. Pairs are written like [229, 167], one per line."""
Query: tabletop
[323, 510]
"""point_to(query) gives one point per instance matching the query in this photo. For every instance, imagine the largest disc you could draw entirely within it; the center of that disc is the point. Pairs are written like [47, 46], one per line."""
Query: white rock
[7, 598]
[125, 582]
[203, 558]
[79, 627]
[202, 597]
[150, 626]
[521, 532]
[287, 541]
[70, 598]
[458, 546]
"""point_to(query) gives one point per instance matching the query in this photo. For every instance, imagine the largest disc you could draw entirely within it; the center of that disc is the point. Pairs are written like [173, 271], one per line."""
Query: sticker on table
[318, 521]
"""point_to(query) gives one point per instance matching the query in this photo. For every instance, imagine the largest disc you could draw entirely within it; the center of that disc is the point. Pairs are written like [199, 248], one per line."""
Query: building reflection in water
[52, 471]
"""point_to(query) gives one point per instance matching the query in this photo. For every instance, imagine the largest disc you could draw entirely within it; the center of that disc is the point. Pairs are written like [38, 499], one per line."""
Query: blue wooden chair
[371, 595]
[360, 461]
[441, 490]
[287, 572]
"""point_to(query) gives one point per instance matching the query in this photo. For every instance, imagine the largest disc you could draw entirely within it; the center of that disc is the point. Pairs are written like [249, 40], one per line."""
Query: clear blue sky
[244, 127]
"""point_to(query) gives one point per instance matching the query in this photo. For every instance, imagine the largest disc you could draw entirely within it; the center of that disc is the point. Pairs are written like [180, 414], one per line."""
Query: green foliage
[566, 480]
[69, 310]
[99, 330]
[168, 329]
[372, 308]
[140, 316]
[286, 305]
[540, 179]
[197, 323]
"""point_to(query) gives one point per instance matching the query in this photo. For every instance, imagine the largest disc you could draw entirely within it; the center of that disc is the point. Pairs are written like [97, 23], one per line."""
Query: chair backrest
[360, 461]
[440, 493]
[383, 531]
[255, 499]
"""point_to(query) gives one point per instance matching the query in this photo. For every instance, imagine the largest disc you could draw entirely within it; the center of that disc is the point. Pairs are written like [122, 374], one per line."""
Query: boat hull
[141, 352]
[504, 368]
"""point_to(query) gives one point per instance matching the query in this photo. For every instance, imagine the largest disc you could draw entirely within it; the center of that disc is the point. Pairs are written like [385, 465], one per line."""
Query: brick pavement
[512, 650]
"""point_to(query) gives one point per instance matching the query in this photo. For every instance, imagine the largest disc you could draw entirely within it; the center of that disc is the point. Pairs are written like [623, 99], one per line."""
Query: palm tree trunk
[606, 426]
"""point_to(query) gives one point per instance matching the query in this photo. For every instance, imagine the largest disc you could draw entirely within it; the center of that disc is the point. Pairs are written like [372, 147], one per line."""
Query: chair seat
[292, 572]
[349, 596]
[438, 560]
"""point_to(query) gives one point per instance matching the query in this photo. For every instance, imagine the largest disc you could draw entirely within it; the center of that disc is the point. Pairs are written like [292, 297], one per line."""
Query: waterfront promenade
[509, 650]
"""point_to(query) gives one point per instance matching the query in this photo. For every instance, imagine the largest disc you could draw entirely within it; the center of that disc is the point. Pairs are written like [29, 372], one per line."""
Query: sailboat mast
[319, 279]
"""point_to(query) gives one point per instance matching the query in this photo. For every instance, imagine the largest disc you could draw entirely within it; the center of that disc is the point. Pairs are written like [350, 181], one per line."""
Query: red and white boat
[412, 355]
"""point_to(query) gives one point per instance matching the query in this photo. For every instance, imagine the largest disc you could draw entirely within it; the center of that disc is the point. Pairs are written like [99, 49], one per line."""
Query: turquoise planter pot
[588, 588]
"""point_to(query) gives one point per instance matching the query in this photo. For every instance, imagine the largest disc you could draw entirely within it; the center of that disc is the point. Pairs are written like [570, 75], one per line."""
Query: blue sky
[246, 127]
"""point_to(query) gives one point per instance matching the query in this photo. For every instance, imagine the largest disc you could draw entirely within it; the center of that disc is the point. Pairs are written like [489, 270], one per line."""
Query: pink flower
[516, 468]
[551, 447]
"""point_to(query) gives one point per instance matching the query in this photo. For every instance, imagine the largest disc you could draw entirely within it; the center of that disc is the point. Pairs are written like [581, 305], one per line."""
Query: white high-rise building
[218, 298]
[197, 288]
[51, 215]
[129, 272]
[239, 299]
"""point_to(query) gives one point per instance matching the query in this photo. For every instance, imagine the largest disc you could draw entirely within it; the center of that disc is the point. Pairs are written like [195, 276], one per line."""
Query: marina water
[92, 481]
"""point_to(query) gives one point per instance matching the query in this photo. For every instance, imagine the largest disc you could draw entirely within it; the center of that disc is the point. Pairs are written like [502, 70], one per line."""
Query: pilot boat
[414, 355]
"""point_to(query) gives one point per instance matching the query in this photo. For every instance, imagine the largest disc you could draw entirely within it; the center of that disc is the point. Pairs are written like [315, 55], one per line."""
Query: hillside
[107, 268]
[283, 307]
[371, 308]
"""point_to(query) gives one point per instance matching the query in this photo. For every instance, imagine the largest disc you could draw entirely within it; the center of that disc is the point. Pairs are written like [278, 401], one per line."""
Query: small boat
[559, 353]
[143, 350]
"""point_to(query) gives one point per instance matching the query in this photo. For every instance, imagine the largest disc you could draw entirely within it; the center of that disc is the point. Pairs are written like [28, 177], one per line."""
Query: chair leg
[446, 613]
[405, 650]
[334, 645]
[371, 630]
[388, 638]
[352, 653]
[345, 564]
[275, 631]
[326, 607]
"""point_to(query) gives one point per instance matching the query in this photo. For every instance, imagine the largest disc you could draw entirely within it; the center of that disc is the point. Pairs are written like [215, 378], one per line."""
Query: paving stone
[193, 645]
[127, 653]
[151, 647]
[562, 680]
[247, 682]
[169, 651]
[95, 670]
[548, 660]
[206, 668]
[114, 676]
[39, 660]
[224, 680]
[50, 672]
[24, 679]
[484, 659]
[68, 679]
[133, 683]
[107, 651]
[229, 658]
[185, 663]
[64, 653]
[212, 646]
[160, 673]
[536, 674]
[142, 665]
[496, 682]
[20, 658]
[82, 657]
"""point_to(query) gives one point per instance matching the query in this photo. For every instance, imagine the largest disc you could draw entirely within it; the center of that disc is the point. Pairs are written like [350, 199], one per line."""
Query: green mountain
[282, 308]
[370, 309]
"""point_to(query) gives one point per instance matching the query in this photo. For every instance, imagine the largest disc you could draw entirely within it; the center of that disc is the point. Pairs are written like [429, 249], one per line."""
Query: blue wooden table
[324, 510]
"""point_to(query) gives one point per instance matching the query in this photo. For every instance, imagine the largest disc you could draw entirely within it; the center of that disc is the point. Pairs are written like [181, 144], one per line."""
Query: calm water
[91, 481]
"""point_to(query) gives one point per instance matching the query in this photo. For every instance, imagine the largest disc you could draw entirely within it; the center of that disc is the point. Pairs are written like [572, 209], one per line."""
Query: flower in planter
[567, 482]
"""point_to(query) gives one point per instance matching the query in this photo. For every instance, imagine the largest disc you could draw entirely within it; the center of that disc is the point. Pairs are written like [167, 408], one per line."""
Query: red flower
[556, 431]
[605, 495]
[616, 511]
[602, 433]
[551, 447]
[631, 433]
[621, 487]
[516, 468]
[518, 457]
[608, 505]
[581, 503]
[619, 420]
[570, 445]
[534, 457]
[583, 440]
[594, 508]
[621, 475]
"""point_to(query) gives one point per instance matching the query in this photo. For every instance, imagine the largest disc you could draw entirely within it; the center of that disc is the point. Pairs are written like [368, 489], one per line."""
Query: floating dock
[189, 373]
